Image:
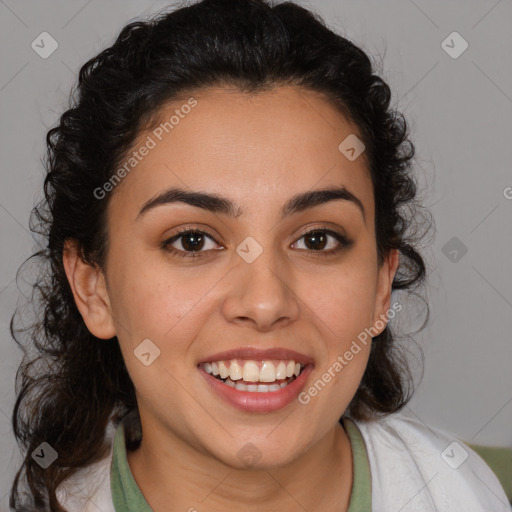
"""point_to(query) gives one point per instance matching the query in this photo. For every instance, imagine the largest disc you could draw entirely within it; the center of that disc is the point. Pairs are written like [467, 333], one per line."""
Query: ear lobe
[89, 289]
[386, 275]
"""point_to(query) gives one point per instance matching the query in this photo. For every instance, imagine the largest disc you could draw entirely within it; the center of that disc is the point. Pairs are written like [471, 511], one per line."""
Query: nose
[261, 294]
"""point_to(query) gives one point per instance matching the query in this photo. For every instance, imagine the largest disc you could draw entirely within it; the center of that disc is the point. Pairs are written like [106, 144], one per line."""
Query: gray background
[459, 111]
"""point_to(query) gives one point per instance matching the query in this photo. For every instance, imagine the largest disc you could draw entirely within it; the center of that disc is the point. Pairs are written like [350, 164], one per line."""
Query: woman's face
[254, 281]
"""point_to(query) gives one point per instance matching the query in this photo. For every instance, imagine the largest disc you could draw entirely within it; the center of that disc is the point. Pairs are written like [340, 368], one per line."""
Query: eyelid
[193, 229]
[326, 229]
[190, 229]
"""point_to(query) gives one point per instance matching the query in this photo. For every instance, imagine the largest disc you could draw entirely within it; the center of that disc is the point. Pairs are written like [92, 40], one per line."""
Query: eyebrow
[218, 204]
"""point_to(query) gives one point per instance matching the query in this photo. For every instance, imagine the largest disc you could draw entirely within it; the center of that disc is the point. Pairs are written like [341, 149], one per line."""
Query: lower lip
[259, 402]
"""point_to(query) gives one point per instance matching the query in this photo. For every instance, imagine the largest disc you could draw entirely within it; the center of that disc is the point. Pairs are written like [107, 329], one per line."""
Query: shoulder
[416, 467]
[88, 490]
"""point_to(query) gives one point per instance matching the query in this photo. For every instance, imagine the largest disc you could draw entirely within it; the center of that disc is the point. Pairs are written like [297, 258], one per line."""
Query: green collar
[127, 496]
[361, 494]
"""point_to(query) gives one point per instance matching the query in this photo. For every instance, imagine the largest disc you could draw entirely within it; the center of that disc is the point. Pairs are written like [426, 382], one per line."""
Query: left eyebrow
[218, 204]
[312, 198]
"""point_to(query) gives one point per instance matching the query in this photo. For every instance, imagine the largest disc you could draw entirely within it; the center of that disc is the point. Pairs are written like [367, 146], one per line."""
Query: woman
[228, 209]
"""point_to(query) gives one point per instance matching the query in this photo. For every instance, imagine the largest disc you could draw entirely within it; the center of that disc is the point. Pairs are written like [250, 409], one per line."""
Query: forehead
[256, 148]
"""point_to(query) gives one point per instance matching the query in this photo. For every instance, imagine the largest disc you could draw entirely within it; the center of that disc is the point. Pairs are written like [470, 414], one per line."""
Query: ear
[385, 278]
[90, 292]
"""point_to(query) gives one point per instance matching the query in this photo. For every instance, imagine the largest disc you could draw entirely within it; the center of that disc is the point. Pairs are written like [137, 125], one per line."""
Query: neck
[179, 474]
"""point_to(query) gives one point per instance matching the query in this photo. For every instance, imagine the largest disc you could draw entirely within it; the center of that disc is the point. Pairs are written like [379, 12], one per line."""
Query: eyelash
[344, 242]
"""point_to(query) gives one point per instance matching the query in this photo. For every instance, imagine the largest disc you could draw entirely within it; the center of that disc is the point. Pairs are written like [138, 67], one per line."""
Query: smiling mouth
[254, 376]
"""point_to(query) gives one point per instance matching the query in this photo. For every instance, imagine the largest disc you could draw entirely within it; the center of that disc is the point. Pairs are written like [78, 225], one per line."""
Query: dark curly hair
[71, 385]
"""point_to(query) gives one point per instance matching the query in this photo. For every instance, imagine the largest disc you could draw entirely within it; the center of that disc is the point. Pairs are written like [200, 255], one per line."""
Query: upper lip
[259, 354]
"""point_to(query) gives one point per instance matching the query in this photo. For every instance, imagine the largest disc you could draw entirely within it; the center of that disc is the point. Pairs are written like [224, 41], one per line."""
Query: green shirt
[127, 496]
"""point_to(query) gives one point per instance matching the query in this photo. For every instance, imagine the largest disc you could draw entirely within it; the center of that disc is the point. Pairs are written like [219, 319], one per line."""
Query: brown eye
[188, 242]
[317, 240]
[193, 241]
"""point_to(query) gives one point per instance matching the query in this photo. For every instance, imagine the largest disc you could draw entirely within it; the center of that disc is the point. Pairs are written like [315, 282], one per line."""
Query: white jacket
[414, 468]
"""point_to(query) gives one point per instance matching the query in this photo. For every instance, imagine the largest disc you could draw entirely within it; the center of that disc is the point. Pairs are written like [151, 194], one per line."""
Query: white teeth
[281, 371]
[248, 371]
[240, 386]
[251, 372]
[257, 388]
[267, 372]
[224, 372]
[235, 371]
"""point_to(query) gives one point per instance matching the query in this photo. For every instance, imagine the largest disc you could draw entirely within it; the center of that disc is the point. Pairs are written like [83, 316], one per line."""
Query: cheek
[150, 304]
[342, 305]
[343, 299]
[154, 300]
